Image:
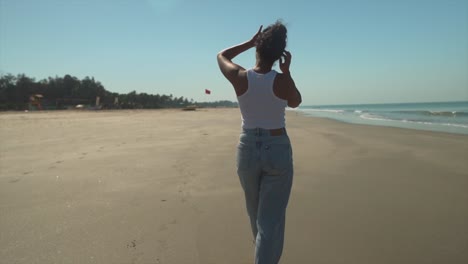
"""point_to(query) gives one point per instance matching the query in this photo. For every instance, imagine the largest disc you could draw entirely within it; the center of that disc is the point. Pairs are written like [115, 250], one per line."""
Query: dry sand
[160, 187]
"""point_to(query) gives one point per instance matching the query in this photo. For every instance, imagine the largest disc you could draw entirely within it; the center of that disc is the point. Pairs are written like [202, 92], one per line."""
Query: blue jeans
[265, 169]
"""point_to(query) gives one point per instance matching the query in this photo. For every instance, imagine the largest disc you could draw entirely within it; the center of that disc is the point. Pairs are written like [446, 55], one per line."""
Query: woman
[264, 156]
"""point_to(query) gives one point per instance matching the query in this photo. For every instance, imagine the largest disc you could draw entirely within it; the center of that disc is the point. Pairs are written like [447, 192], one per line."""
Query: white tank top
[260, 107]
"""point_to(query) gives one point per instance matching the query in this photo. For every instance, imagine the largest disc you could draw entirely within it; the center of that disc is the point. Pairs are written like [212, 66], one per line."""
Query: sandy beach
[160, 187]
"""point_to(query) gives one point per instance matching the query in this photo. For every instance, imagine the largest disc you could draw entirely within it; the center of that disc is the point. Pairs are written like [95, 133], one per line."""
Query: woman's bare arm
[229, 69]
[293, 95]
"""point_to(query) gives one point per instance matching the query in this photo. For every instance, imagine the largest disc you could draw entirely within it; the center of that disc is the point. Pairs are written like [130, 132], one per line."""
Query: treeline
[68, 91]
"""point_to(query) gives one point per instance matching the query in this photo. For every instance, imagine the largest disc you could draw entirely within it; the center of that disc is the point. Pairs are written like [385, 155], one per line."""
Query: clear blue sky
[344, 51]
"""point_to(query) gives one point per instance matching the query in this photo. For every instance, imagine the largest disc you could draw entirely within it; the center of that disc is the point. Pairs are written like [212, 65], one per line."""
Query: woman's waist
[264, 123]
[265, 132]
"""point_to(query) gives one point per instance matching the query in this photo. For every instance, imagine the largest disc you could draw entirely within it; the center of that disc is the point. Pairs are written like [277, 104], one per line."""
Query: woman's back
[260, 107]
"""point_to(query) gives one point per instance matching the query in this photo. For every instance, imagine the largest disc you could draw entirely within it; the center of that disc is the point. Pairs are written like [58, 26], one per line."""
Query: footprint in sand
[162, 227]
[132, 244]
[163, 244]
[14, 180]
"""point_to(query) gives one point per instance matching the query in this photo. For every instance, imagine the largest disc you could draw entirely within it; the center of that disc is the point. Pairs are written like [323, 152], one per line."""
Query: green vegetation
[68, 91]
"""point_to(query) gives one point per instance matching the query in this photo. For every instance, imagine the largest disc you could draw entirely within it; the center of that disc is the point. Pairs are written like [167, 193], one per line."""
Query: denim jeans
[265, 169]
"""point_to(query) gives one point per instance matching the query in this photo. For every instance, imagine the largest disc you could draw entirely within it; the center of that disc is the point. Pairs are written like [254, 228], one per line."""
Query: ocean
[451, 117]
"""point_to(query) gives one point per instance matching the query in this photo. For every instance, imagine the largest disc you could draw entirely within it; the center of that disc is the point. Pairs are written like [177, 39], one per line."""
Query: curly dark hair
[272, 42]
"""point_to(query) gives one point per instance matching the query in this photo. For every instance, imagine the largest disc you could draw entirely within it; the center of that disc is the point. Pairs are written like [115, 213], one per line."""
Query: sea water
[451, 117]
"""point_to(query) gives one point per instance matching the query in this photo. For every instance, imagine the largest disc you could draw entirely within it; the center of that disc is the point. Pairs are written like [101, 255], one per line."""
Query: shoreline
[378, 125]
[298, 111]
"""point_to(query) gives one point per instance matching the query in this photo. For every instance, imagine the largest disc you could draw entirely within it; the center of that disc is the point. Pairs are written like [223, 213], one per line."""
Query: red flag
[207, 91]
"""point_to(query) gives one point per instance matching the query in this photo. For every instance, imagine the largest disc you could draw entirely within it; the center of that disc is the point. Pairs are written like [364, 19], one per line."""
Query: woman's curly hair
[272, 42]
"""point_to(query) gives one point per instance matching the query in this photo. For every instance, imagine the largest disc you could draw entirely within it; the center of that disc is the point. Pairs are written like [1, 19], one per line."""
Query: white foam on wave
[373, 117]
[325, 110]
[379, 118]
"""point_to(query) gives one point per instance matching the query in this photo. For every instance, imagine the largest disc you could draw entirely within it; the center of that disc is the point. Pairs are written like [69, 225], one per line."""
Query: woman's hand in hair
[285, 62]
[253, 40]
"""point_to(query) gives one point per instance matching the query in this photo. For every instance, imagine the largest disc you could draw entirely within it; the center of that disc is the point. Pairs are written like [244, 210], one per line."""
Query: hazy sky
[348, 51]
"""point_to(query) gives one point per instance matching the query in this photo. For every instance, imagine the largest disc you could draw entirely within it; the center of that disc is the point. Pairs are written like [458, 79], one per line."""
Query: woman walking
[264, 154]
